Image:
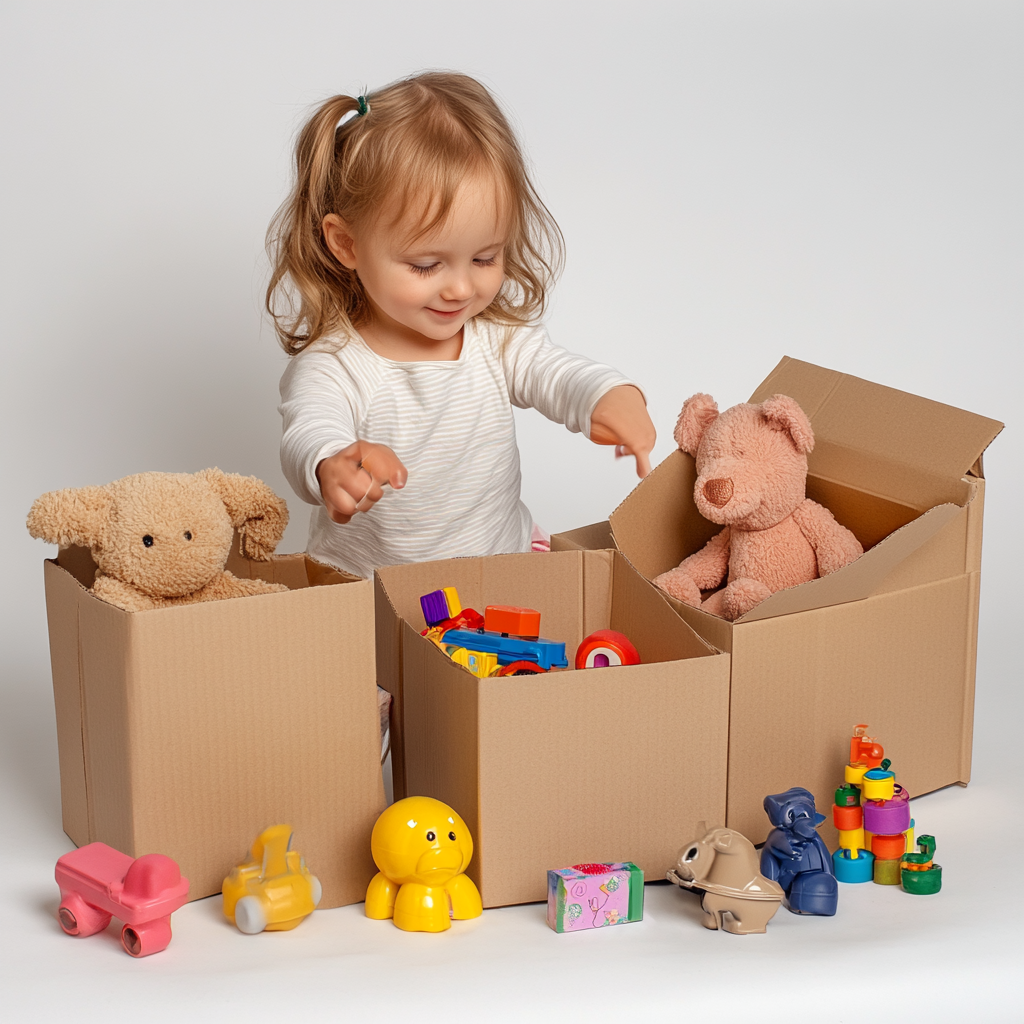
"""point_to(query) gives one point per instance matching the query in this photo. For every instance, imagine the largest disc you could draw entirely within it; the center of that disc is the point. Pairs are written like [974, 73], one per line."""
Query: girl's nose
[457, 286]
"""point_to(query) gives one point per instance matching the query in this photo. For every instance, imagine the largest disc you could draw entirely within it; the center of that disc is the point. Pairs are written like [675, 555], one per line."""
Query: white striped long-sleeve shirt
[452, 426]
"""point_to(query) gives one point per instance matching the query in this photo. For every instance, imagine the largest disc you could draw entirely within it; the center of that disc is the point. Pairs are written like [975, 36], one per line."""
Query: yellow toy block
[451, 595]
[854, 774]
[852, 839]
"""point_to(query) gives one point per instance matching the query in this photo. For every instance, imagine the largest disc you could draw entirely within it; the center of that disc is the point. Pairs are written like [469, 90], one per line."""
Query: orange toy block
[515, 621]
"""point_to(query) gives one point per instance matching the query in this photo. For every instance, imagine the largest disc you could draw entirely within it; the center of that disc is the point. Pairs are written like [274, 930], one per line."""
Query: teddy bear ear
[74, 516]
[783, 413]
[258, 514]
[699, 412]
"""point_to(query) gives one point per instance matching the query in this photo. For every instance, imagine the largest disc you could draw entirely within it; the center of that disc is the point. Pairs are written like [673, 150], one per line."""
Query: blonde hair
[419, 140]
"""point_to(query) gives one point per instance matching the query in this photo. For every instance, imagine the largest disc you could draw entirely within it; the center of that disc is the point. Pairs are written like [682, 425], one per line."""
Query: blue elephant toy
[795, 856]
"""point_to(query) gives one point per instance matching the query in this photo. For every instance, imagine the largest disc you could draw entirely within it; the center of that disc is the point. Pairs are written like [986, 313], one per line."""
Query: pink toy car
[98, 882]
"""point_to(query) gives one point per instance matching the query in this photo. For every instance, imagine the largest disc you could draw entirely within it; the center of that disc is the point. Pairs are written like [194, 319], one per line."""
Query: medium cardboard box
[564, 767]
[187, 731]
[889, 640]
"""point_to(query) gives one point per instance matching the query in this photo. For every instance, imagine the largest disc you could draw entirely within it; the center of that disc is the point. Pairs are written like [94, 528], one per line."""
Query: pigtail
[323, 295]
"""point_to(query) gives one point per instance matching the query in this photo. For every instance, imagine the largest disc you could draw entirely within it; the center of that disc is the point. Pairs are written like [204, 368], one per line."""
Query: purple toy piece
[888, 817]
[435, 607]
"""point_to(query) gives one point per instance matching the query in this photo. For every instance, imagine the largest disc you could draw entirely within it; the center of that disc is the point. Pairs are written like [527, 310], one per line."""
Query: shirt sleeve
[319, 416]
[563, 386]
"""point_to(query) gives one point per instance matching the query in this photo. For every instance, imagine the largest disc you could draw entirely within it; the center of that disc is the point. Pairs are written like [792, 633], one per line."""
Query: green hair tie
[362, 109]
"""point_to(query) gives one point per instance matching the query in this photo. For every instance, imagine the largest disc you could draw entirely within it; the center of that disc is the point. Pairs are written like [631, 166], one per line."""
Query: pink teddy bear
[751, 478]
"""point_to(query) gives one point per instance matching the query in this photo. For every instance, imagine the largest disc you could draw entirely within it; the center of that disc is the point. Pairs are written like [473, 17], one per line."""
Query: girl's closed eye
[423, 268]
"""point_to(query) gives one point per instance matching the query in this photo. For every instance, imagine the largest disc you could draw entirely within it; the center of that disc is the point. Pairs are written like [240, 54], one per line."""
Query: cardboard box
[598, 765]
[188, 731]
[889, 640]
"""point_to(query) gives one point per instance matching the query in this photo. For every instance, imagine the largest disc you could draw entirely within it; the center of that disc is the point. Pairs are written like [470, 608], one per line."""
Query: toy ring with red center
[604, 648]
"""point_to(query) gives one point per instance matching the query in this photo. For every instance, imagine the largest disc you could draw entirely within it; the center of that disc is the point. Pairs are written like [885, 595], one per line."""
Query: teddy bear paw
[679, 584]
[741, 595]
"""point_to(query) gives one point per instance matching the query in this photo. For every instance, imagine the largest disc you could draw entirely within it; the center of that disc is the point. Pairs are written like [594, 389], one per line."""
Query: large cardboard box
[890, 640]
[565, 767]
[187, 731]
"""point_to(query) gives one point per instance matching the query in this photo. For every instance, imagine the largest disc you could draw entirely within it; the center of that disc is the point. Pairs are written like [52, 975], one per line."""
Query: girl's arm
[586, 396]
[322, 458]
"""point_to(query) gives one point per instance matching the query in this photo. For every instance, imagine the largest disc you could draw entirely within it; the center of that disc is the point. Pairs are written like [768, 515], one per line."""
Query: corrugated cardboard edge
[388, 643]
[92, 747]
[62, 601]
[585, 538]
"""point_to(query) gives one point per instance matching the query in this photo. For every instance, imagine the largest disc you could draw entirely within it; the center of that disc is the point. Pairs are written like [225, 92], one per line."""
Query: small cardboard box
[889, 640]
[188, 731]
[596, 765]
[588, 896]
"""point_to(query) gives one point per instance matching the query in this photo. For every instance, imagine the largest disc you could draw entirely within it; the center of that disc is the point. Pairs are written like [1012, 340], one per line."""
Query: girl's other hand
[353, 480]
[621, 418]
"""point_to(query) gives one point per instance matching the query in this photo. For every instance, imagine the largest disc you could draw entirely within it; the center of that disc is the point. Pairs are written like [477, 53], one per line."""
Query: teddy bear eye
[431, 836]
[451, 836]
[147, 541]
[188, 535]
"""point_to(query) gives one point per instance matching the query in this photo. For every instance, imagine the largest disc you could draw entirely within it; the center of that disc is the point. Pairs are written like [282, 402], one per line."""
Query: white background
[840, 182]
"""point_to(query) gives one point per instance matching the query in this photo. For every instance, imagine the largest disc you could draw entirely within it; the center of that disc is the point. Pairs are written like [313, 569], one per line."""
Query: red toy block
[888, 847]
[845, 818]
[514, 621]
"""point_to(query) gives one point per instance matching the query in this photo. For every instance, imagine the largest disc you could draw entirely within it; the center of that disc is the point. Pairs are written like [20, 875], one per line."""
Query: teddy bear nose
[718, 492]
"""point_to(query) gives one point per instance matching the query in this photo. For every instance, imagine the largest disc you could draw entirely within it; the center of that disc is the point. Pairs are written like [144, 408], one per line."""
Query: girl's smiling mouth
[448, 314]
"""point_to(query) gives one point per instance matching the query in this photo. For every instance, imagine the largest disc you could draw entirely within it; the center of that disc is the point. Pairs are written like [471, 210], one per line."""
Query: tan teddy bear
[162, 539]
[751, 478]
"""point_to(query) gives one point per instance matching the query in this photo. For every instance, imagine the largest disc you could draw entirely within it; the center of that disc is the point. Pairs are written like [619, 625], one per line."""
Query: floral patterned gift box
[594, 896]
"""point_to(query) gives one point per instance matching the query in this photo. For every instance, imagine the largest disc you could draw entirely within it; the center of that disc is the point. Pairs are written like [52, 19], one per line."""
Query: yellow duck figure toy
[422, 848]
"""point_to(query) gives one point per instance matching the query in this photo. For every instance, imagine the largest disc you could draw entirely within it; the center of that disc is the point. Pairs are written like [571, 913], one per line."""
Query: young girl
[411, 266]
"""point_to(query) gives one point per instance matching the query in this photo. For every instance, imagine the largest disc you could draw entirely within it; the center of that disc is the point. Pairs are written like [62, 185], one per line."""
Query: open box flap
[657, 525]
[880, 439]
[860, 578]
[655, 542]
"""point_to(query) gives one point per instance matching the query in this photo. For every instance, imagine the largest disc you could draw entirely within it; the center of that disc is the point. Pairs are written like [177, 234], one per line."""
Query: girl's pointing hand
[620, 418]
[353, 480]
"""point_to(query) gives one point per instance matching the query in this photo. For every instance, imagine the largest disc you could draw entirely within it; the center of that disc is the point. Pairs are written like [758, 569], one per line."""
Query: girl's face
[423, 290]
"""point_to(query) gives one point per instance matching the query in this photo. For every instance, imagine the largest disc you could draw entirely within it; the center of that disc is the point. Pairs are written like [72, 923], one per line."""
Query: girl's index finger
[643, 462]
[385, 467]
